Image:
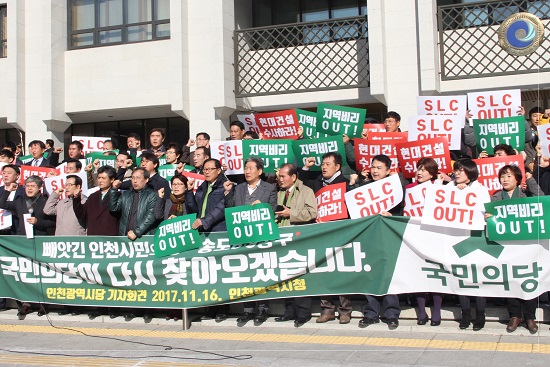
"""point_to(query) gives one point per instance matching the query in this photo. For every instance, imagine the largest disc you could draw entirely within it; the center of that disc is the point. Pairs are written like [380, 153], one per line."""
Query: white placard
[249, 122]
[29, 228]
[424, 127]
[229, 153]
[5, 219]
[544, 139]
[90, 143]
[414, 199]
[494, 104]
[374, 198]
[442, 105]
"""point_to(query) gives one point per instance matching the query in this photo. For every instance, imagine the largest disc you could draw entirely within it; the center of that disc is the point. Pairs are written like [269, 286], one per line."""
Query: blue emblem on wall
[521, 34]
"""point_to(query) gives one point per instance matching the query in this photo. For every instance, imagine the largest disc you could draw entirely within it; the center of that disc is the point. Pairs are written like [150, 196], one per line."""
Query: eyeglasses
[209, 169]
[177, 184]
[69, 184]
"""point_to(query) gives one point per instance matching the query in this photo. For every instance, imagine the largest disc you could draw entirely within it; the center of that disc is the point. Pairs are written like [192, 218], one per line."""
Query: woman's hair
[511, 169]
[469, 167]
[429, 164]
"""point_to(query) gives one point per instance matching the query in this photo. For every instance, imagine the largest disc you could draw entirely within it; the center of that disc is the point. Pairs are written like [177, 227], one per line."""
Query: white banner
[375, 197]
[442, 105]
[414, 199]
[544, 139]
[494, 104]
[229, 153]
[449, 206]
[447, 261]
[424, 127]
[91, 144]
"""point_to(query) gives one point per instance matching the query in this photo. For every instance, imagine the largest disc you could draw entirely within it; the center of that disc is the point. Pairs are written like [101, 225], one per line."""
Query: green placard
[104, 160]
[519, 219]
[176, 235]
[167, 171]
[316, 148]
[26, 159]
[250, 224]
[188, 168]
[338, 120]
[507, 130]
[308, 122]
[274, 153]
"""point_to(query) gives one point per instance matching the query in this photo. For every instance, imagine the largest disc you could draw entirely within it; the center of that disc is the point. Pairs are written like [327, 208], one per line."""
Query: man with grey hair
[251, 192]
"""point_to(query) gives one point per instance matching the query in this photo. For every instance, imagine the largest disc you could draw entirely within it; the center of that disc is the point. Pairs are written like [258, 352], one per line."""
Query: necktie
[287, 194]
[208, 191]
[35, 162]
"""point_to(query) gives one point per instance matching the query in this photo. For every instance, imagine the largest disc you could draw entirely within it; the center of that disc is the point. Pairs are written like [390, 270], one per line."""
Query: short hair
[535, 110]
[257, 161]
[142, 170]
[7, 153]
[181, 177]
[176, 147]
[77, 162]
[50, 142]
[110, 171]
[9, 144]
[291, 169]
[113, 143]
[77, 179]
[508, 150]
[36, 179]
[78, 144]
[38, 142]
[429, 164]
[469, 167]
[205, 151]
[239, 124]
[382, 158]
[158, 130]
[217, 163]
[513, 169]
[125, 153]
[204, 135]
[337, 157]
[134, 135]
[151, 157]
[393, 114]
[14, 167]
[252, 134]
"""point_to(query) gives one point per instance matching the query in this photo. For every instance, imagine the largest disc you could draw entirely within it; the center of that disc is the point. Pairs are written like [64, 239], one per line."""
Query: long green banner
[373, 255]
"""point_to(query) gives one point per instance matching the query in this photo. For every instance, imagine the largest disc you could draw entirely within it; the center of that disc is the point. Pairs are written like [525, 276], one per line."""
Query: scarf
[177, 205]
[515, 194]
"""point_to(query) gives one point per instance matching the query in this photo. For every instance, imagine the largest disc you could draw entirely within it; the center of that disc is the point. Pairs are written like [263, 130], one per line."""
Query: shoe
[325, 317]
[393, 324]
[423, 321]
[345, 318]
[300, 321]
[168, 317]
[247, 316]
[435, 323]
[366, 321]
[176, 318]
[283, 318]
[63, 312]
[147, 317]
[221, 317]
[94, 314]
[42, 312]
[261, 316]
[75, 313]
[531, 325]
[129, 315]
[25, 309]
[465, 322]
[479, 322]
[513, 324]
[113, 315]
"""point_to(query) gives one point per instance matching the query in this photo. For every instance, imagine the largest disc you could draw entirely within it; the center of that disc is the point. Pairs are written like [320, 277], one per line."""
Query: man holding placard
[251, 192]
[330, 174]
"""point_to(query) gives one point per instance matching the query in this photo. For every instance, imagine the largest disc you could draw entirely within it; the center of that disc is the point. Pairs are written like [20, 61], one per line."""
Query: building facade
[110, 67]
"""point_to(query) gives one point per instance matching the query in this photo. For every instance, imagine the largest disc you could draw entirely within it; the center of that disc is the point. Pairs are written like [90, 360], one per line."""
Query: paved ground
[79, 341]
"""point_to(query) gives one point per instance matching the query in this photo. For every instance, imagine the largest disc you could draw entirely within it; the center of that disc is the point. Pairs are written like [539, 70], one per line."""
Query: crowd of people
[132, 201]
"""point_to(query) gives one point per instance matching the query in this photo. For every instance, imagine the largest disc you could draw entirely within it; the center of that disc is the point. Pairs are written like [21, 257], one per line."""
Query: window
[3, 31]
[275, 12]
[95, 23]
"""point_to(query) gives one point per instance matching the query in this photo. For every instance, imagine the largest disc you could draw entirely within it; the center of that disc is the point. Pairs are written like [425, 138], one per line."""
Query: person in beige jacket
[296, 205]
[67, 223]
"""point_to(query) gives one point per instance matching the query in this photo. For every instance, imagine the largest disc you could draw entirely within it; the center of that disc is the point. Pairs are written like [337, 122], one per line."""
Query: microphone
[31, 211]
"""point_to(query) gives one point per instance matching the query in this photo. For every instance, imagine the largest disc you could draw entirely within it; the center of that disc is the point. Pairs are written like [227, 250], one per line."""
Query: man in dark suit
[100, 221]
[251, 192]
[10, 174]
[330, 174]
[37, 149]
